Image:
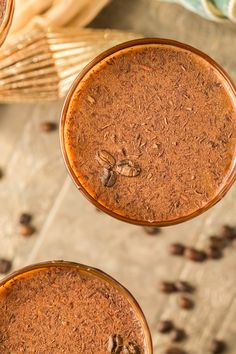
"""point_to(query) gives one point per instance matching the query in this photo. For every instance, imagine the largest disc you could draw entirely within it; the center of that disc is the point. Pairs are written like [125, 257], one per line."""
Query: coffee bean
[165, 326]
[217, 346]
[167, 287]
[177, 249]
[195, 255]
[1, 173]
[185, 303]
[177, 335]
[131, 348]
[183, 286]
[115, 343]
[128, 168]
[174, 350]
[217, 242]
[48, 126]
[5, 265]
[26, 230]
[110, 344]
[151, 230]
[105, 159]
[228, 233]
[214, 252]
[25, 219]
[108, 178]
[124, 350]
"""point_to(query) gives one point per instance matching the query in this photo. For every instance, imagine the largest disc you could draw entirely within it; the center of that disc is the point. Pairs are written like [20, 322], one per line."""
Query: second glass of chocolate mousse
[148, 132]
[64, 307]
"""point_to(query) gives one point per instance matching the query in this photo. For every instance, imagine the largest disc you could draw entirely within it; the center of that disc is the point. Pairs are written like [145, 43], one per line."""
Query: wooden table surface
[69, 228]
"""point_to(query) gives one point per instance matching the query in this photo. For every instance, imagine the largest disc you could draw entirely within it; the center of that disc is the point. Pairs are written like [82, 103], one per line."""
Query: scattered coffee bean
[25, 219]
[177, 249]
[5, 265]
[105, 159]
[165, 326]
[167, 287]
[214, 252]
[217, 346]
[174, 350]
[1, 173]
[183, 286]
[151, 230]
[185, 303]
[217, 242]
[228, 233]
[128, 168]
[177, 335]
[108, 178]
[115, 343]
[26, 230]
[195, 255]
[48, 126]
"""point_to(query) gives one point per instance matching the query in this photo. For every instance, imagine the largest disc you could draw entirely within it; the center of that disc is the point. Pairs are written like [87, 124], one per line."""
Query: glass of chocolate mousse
[65, 307]
[6, 15]
[148, 132]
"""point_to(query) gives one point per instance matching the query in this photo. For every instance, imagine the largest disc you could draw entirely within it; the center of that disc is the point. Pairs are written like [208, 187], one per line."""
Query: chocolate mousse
[2, 9]
[149, 132]
[68, 310]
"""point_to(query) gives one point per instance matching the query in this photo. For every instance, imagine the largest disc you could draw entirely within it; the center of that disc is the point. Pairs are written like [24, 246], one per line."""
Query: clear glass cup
[7, 20]
[8, 280]
[145, 41]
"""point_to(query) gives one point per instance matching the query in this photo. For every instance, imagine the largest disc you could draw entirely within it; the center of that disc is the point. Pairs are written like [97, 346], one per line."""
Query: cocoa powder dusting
[61, 310]
[172, 114]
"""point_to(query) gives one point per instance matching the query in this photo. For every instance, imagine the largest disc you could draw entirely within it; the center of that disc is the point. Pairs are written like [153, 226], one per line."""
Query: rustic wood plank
[214, 281]
[33, 173]
[227, 328]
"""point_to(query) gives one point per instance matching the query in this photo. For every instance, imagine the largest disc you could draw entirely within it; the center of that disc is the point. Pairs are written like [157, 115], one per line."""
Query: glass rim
[96, 273]
[7, 20]
[136, 42]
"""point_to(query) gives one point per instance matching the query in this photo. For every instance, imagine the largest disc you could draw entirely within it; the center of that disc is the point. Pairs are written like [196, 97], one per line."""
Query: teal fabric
[215, 10]
[225, 6]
